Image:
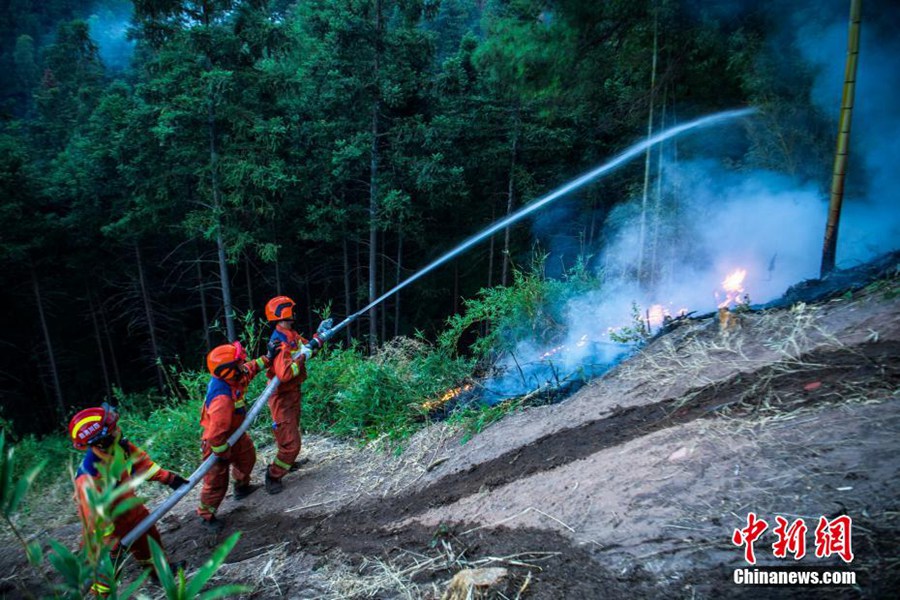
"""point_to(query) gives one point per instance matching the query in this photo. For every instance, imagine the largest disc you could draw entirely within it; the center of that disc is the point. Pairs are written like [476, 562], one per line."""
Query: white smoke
[870, 222]
[717, 220]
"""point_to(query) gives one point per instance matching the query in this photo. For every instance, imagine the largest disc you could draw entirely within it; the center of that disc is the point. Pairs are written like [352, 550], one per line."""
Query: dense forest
[167, 166]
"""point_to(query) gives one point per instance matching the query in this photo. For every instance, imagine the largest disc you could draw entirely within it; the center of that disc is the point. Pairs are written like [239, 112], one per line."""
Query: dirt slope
[630, 488]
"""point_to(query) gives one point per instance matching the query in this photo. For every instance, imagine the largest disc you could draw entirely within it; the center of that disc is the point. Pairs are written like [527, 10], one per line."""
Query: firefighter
[222, 413]
[96, 430]
[285, 403]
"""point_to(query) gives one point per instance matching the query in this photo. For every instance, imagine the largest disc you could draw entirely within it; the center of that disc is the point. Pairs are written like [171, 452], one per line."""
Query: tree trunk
[829, 247]
[277, 274]
[373, 188]
[309, 313]
[510, 199]
[455, 287]
[201, 288]
[657, 209]
[359, 329]
[397, 297]
[48, 343]
[643, 235]
[230, 328]
[590, 240]
[384, 305]
[347, 307]
[491, 251]
[106, 381]
[151, 327]
[112, 349]
[249, 281]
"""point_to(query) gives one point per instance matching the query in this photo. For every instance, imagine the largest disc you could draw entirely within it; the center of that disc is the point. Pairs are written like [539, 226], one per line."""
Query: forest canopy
[167, 166]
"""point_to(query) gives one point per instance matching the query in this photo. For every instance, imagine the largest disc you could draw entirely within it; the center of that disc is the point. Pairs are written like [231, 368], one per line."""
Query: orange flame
[734, 288]
[551, 352]
[656, 314]
[446, 397]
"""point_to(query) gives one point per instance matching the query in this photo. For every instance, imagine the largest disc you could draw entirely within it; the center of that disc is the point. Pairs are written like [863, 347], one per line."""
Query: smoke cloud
[715, 220]
[871, 217]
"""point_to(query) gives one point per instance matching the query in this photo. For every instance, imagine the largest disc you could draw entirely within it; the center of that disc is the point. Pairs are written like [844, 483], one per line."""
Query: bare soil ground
[631, 488]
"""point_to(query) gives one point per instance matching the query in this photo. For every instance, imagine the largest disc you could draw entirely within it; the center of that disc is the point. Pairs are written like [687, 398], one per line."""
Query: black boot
[242, 491]
[273, 486]
[297, 464]
[212, 524]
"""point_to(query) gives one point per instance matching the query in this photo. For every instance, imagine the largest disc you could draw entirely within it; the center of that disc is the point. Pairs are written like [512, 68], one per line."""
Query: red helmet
[280, 308]
[91, 425]
[225, 361]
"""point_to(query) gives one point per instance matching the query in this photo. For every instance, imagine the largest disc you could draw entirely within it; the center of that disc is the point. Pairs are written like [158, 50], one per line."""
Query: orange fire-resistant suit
[223, 412]
[285, 403]
[88, 475]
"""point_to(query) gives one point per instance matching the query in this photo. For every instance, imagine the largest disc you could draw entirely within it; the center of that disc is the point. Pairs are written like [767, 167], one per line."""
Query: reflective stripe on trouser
[286, 417]
[241, 458]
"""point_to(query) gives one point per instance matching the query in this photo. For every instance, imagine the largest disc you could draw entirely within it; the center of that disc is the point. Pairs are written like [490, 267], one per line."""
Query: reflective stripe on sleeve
[295, 369]
[220, 449]
[153, 470]
[260, 363]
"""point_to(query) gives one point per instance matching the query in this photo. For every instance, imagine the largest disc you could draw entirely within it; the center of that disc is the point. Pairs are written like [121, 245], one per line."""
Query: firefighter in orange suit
[285, 403]
[222, 413]
[97, 431]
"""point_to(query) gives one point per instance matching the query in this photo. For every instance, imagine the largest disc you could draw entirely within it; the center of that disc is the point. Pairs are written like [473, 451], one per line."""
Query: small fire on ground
[734, 289]
[653, 318]
[446, 397]
[554, 351]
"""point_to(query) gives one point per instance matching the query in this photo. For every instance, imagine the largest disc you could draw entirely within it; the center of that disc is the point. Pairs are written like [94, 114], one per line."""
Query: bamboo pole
[829, 249]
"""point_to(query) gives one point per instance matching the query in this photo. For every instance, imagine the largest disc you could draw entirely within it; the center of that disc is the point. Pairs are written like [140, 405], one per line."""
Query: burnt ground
[631, 488]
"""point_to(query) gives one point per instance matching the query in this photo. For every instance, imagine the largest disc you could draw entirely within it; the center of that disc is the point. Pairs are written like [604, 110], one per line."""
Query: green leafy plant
[94, 561]
[637, 332]
[177, 586]
[532, 307]
[13, 491]
[349, 394]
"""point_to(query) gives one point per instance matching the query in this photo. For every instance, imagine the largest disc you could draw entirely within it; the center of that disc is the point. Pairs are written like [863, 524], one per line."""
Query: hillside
[632, 487]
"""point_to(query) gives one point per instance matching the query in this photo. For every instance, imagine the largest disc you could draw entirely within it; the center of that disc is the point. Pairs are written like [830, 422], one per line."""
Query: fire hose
[529, 208]
[195, 478]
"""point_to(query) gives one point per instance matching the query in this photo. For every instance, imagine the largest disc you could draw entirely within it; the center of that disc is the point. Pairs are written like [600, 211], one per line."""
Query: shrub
[531, 308]
[351, 395]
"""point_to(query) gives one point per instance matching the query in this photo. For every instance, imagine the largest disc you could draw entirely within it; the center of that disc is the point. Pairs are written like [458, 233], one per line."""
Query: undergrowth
[348, 394]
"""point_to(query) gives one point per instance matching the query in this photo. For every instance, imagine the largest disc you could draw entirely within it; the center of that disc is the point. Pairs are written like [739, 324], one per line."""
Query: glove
[177, 481]
[272, 349]
[306, 352]
[325, 326]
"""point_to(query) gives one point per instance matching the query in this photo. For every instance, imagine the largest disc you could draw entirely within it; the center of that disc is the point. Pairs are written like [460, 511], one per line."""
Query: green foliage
[351, 395]
[529, 308]
[13, 487]
[637, 332]
[179, 587]
[171, 433]
[93, 563]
